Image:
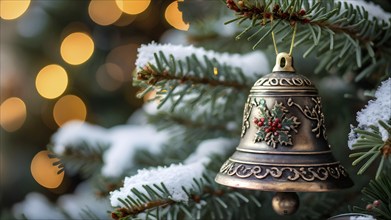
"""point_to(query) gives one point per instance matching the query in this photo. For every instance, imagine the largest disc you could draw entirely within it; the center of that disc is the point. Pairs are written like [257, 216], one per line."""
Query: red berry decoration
[279, 126]
[260, 124]
[255, 121]
[262, 119]
[376, 203]
[267, 130]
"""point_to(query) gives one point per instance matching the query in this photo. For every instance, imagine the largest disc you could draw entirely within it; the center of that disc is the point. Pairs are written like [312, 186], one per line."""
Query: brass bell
[283, 145]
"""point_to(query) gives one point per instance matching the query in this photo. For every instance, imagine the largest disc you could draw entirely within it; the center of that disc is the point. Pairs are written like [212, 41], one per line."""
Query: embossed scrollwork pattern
[246, 115]
[313, 113]
[290, 173]
[283, 82]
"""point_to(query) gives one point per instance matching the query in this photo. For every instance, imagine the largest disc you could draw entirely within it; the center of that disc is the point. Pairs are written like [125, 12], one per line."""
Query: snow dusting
[378, 109]
[205, 149]
[75, 133]
[175, 176]
[125, 141]
[122, 142]
[84, 199]
[37, 206]
[251, 63]
[374, 10]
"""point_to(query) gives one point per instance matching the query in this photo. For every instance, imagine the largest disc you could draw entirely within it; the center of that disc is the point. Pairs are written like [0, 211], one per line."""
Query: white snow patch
[378, 109]
[37, 206]
[84, 199]
[205, 149]
[75, 133]
[125, 141]
[252, 64]
[175, 176]
[374, 10]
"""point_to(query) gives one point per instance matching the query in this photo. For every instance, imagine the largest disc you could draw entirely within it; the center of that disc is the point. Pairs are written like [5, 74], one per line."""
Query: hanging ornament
[283, 145]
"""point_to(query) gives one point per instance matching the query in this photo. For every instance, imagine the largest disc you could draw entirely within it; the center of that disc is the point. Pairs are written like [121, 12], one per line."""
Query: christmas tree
[162, 162]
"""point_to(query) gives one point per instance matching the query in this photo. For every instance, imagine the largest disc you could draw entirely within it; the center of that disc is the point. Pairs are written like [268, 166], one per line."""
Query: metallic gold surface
[284, 145]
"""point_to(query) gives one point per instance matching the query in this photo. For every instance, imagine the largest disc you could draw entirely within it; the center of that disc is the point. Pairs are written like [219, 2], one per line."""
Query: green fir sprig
[377, 196]
[343, 35]
[174, 79]
[372, 147]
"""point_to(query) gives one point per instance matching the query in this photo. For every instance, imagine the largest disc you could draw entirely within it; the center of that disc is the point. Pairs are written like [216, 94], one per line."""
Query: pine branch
[194, 127]
[173, 80]
[84, 159]
[206, 199]
[371, 141]
[344, 34]
[377, 197]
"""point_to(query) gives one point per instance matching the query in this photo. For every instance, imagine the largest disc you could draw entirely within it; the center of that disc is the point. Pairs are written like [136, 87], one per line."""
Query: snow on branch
[374, 10]
[176, 177]
[251, 63]
[122, 142]
[378, 109]
[125, 141]
[75, 133]
[68, 206]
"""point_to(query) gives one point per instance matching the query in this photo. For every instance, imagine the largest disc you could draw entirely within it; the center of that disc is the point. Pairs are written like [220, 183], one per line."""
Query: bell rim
[315, 186]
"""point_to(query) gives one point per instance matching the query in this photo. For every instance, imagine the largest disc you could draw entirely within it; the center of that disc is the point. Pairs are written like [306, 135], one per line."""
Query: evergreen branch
[197, 127]
[205, 191]
[84, 159]
[153, 78]
[377, 197]
[174, 79]
[347, 31]
[132, 209]
[371, 140]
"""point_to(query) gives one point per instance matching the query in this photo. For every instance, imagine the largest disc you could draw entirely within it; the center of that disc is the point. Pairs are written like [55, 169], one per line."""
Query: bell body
[283, 145]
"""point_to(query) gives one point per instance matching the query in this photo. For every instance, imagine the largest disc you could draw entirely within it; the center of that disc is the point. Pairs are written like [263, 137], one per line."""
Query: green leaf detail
[273, 125]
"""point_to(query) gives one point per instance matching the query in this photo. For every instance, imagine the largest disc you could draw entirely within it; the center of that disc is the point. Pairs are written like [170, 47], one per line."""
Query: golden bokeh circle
[51, 81]
[44, 172]
[104, 12]
[132, 7]
[77, 48]
[12, 9]
[12, 114]
[174, 17]
[67, 108]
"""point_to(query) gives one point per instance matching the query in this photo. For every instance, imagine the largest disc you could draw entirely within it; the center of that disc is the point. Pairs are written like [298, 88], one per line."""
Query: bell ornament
[284, 145]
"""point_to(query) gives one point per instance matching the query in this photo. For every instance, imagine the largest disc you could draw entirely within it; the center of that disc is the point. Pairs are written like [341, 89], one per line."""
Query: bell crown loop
[284, 63]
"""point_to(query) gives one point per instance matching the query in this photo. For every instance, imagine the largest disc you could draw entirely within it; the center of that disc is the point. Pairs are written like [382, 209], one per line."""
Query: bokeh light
[12, 114]
[104, 12]
[133, 7]
[12, 9]
[51, 81]
[77, 48]
[174, 17]
[44, 172]
[110, 76]
[67, 108]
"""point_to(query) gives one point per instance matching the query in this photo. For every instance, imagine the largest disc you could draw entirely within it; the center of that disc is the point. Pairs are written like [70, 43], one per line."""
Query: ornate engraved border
[305, 173]
[283, 82]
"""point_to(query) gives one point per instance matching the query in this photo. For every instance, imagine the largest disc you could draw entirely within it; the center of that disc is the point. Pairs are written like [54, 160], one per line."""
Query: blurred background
[65, 60]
